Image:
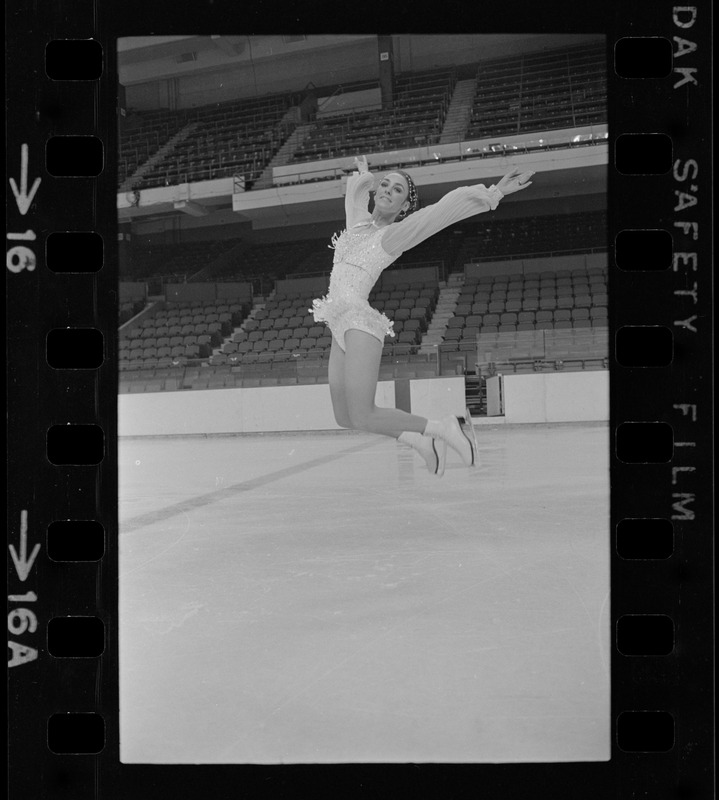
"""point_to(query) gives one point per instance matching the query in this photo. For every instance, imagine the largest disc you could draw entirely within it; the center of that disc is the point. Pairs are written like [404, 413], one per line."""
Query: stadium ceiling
[147, 49]
[144, 59]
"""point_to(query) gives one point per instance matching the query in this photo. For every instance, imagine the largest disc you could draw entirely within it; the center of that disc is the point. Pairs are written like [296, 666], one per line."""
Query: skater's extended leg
[361, 369]
[336, 376]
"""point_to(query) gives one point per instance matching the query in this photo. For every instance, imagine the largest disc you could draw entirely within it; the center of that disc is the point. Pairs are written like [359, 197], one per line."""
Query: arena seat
[539, 91]
[418, 111]
[419, 313]
[414, 326]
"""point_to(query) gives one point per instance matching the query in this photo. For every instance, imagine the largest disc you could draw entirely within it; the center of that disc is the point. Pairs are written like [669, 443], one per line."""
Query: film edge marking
[22, 620]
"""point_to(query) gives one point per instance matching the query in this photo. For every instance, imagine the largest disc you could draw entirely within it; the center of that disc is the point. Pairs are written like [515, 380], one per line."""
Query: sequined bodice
[358, 262]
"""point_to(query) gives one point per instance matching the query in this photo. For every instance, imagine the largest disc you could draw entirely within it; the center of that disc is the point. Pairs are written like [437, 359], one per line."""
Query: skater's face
[392, 194]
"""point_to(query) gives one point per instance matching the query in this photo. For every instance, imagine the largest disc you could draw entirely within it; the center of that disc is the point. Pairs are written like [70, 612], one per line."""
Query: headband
[412, 196]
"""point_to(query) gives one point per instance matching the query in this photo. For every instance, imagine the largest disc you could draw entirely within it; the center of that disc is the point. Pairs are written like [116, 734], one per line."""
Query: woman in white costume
[368, 245]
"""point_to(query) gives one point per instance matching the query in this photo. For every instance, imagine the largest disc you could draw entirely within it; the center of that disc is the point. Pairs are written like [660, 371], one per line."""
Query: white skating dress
[363, 251]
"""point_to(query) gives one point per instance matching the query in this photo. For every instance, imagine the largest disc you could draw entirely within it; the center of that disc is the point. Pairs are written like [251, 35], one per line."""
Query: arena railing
[461, 150]
[397, 266]
[541, 349]
[244, 178]
[535, 254]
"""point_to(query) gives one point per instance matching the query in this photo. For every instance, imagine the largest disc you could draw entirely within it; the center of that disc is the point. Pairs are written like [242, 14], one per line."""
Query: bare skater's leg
[336, 377]
[361, 370]
[353, 385]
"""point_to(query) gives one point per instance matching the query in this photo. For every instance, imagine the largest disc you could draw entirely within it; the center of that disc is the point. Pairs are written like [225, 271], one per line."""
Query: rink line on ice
[193, 503]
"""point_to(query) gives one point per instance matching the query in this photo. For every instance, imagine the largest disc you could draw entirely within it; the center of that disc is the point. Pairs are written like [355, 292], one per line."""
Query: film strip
[61, 288]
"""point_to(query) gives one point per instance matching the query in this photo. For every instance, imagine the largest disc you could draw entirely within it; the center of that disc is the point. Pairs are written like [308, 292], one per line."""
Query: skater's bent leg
[361, 370]
[336, 376]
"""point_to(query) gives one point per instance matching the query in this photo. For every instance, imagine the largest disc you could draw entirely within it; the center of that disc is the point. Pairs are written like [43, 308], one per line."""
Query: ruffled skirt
[342, 314]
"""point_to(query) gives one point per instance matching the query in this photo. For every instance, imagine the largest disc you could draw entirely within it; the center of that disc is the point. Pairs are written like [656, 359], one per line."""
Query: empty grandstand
[236, 191]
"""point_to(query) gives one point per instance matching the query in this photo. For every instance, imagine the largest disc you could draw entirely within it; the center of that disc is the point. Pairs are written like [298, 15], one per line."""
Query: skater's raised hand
[515, 181]
[361, 164]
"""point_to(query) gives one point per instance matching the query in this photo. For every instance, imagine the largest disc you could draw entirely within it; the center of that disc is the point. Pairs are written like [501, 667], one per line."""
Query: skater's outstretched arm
[455, 206]
[357, 195]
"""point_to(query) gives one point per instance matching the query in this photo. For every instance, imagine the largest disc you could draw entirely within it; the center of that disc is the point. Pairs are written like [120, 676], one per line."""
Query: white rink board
[557, 397]
[266, 408]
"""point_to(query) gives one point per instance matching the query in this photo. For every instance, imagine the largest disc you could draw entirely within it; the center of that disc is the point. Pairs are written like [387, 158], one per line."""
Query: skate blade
[469, 429]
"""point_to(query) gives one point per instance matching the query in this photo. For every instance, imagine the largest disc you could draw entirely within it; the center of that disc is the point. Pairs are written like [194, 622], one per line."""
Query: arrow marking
[23, 564]
[28, 236]
[22, 198]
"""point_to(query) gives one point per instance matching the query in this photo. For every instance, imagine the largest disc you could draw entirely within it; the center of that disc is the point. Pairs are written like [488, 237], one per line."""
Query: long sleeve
[357, 198]
[456, 205]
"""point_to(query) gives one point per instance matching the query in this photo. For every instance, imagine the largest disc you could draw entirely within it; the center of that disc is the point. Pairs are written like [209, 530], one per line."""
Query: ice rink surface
[320, 598]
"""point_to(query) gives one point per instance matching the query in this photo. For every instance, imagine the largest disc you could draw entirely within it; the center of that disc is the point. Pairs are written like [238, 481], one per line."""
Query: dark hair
[411, 196]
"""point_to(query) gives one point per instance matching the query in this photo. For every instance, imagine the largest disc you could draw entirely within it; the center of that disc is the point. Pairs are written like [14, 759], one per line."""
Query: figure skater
[368, 245]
